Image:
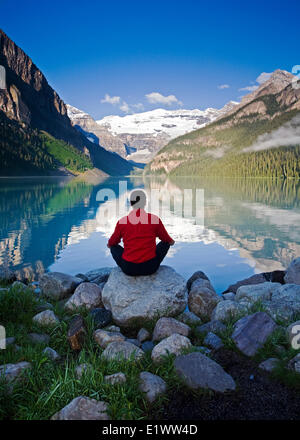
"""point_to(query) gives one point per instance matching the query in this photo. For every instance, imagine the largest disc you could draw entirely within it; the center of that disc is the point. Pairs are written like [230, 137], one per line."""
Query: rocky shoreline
[159, 322]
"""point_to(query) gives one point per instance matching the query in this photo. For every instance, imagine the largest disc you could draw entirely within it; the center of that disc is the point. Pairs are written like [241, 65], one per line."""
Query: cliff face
[31, 101]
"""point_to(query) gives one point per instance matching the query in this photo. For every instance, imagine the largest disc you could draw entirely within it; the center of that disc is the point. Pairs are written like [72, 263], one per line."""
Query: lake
[244, 226]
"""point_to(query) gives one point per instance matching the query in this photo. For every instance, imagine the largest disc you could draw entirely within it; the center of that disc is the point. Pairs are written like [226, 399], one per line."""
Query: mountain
[150, 131]
[258, 137]
[32, 111]
[95, 132]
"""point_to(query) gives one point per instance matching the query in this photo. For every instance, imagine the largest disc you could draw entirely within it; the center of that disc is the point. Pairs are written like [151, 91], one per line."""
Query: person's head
[138, 199]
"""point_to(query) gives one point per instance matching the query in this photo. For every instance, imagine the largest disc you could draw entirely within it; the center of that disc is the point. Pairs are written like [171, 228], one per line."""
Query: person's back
[138, 230]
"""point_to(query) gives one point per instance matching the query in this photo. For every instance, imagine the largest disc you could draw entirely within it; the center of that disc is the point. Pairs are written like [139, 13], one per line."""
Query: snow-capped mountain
[171, 123]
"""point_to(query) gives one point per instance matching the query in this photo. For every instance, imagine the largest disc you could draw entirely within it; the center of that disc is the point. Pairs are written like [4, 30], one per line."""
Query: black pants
[145, 268]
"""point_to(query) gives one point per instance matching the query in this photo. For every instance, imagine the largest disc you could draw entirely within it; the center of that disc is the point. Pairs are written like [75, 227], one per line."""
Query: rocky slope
[258, 137]
[30, 101]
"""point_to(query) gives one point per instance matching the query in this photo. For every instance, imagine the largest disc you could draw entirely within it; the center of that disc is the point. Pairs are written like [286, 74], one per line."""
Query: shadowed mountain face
[29, 100]
[260, 137]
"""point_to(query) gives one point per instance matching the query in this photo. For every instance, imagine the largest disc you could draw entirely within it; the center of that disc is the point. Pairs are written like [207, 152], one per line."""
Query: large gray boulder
[256, 292]
[277, 276]
[285, 302]
[87, 295]
[199, 371]
[57, 285]
[252, 331]
[203, 298]
[292, 275]
[174, 344]
[135, 300]
[167, 326]
[83, 408]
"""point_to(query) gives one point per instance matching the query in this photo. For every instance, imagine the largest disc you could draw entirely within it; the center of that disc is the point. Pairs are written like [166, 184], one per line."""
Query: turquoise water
[250, 225]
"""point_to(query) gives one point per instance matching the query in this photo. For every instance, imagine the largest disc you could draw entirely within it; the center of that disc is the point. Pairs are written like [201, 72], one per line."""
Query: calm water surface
[57, 224]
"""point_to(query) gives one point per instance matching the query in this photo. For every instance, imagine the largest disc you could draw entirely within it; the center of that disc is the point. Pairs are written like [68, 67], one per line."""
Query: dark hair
[138, 199]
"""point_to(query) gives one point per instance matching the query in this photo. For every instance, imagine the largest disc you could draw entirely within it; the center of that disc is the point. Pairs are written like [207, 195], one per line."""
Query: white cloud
[124, 107]
[263, 77]
[158, 98]
[223, 86]
[138, 106]
[111, 99]
[248, 89]
[287, 134]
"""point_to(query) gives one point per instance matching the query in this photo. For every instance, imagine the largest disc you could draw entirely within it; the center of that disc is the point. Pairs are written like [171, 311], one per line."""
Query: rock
[293, 334]
[87, 295]
[152, 385]
[82, 277]
[83, 408]
[6, 275]
[57, 285]
[229, 295]
[76, 333]
[213, 341]
[101, 317]
[212, 326]
[103, 338]
[174, 344]
[134, 341]
[256, 292]
[114, 379]
[269, 364]
[275, 277]
[292, 275]
[285, 302]
[81, 369]
[112, 328]
[44, 306]
[122, 351]
[167, 326]
[143, 335]
[37, 338]
[228, 309]
[202, 298]
[294, 364]
[251, 332]
[46, 318]
[147, 346]
[188, 318]
[194, 277]
[101, 275]
[136, 300]
[12, 372]
[19, 285]
[52, 354]
[199, 371]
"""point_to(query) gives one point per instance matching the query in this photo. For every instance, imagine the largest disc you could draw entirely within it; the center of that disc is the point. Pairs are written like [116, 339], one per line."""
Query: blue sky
[150, 54]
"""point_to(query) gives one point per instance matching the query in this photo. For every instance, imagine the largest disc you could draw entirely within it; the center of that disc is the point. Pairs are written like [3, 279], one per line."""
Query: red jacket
[139, 230]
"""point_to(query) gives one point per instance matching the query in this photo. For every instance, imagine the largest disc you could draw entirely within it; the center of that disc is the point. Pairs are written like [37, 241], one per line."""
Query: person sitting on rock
[140, 255]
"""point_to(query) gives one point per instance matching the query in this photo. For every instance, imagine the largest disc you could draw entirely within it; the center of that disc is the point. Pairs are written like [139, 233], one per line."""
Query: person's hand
[172, 242]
